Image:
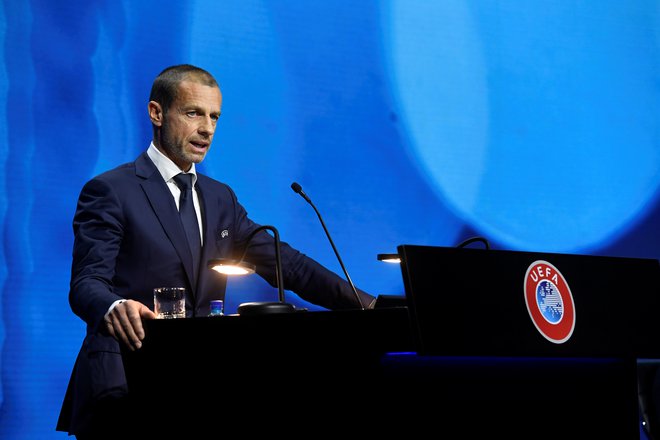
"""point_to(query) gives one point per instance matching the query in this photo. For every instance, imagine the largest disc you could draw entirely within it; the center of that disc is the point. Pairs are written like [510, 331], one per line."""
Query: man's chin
[197, 158]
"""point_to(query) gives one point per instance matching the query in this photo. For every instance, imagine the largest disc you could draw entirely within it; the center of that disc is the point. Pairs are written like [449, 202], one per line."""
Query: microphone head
[296, 187]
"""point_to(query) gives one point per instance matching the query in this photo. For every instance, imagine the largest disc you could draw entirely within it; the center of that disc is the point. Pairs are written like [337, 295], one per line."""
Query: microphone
[298, 189]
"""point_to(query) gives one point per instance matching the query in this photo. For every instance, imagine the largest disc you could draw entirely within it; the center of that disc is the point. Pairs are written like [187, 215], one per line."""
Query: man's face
[187, 129]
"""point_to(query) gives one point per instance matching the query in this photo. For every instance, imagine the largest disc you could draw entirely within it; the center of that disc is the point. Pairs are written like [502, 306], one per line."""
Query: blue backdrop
[533, 124]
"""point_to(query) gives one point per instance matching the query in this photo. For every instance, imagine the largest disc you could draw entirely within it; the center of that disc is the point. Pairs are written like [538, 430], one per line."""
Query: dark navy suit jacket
[129, 239]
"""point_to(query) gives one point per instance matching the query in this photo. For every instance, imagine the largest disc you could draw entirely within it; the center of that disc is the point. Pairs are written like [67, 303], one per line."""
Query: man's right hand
[124, 322]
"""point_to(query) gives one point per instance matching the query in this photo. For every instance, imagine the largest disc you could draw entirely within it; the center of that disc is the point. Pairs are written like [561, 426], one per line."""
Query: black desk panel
[310, 374]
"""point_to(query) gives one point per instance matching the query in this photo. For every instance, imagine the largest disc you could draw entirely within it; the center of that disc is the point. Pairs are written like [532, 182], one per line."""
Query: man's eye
[192, 114]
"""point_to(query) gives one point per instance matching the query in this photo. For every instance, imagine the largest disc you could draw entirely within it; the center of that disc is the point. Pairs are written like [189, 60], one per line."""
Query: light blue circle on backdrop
[537, 124]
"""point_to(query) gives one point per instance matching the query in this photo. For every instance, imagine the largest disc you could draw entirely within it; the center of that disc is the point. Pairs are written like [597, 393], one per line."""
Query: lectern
[272, 374]
[550, 340]
[489, 344]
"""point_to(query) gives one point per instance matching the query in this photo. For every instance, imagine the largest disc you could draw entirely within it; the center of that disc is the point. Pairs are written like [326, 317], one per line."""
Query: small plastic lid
[217, 306]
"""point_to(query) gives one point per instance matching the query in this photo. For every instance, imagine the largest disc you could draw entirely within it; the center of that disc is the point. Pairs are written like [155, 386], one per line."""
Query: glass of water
[170, 302]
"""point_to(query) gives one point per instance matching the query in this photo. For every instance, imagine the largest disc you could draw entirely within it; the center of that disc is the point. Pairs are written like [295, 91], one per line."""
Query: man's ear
[155, 113]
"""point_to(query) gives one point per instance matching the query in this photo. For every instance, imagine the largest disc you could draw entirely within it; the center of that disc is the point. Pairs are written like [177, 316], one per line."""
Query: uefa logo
[549, 302]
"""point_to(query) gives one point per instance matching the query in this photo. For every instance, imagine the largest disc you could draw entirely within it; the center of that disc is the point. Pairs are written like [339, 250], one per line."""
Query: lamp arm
[278, 257]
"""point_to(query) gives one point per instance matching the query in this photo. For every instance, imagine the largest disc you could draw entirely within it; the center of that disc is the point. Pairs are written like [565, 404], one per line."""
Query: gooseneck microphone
[298, 189]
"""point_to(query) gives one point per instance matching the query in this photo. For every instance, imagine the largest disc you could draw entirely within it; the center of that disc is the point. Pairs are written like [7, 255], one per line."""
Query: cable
[472, 240]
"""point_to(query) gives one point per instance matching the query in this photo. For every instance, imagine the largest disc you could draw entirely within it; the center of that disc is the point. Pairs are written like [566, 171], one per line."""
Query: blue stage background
[533, 124]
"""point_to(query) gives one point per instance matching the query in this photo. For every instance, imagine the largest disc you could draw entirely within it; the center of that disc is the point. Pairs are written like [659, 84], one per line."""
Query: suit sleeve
[98, 231]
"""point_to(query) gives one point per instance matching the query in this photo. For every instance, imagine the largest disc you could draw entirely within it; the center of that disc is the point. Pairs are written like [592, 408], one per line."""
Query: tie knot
[183, 181]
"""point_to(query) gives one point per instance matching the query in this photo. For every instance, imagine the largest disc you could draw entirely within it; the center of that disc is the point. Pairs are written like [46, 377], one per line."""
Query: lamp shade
[389, 258]
[231, 267]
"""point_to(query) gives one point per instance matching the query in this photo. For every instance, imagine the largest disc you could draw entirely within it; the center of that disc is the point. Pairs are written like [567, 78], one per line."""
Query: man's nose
[207, 127]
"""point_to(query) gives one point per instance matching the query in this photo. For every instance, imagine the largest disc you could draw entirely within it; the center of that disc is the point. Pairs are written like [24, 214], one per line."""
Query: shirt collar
[165, 166]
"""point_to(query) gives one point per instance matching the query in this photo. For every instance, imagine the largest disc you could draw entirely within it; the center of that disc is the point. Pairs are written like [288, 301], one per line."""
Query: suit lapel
[162, 203]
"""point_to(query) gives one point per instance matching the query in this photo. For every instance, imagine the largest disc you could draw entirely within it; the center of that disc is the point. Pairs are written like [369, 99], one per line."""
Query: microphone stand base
[264, 308]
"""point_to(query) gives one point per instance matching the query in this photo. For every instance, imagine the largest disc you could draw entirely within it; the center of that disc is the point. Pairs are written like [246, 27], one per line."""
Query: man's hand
[124, 322]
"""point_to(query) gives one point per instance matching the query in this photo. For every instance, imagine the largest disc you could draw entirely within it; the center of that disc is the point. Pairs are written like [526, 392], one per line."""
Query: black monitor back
[477, 302]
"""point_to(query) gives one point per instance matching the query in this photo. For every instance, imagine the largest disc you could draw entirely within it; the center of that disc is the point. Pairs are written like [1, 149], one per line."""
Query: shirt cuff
[112, 306]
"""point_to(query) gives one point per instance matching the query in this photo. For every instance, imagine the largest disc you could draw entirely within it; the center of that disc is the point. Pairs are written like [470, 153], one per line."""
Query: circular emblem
[549, 302]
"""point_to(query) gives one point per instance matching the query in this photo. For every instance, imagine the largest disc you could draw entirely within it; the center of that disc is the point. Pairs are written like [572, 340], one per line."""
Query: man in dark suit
[130, 238]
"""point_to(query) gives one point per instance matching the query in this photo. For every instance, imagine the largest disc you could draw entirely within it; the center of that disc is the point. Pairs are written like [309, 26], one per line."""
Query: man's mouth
[200, 145]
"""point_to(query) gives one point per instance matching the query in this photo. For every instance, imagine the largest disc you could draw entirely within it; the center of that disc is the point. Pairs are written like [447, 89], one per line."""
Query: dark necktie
[189, 218]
